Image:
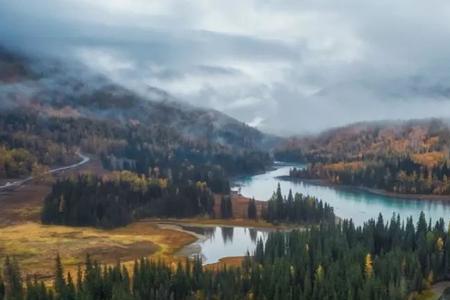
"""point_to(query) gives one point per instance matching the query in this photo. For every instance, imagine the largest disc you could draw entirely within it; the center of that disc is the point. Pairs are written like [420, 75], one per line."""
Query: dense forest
[402, 157]
[370, 141]
[297, 209]
[380, 260]
[399, 175]
[28, 138]
[26, 142]
[123, 197]
[120, 198]
[15, 163]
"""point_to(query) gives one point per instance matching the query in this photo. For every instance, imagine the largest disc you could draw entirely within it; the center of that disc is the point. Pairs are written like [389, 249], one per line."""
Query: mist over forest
[316, 65]
[224, 150]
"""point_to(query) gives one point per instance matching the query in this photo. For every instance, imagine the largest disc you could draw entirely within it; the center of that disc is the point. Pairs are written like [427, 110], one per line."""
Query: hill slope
[55, 90]
[49, 110]
[409, 157]
[371, 139]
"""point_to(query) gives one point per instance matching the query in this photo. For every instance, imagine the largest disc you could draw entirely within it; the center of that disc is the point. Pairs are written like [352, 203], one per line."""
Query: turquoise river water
[348, 203]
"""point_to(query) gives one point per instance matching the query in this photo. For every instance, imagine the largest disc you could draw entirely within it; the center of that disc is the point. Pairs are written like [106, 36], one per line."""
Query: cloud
[285, 67]
[256, 122]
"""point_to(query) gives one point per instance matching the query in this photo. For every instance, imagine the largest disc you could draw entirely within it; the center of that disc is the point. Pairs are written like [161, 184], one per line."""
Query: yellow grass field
[36, 245]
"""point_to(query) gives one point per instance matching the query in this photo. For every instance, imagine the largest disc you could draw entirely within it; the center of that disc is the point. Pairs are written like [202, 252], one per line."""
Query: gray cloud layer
[286, 67]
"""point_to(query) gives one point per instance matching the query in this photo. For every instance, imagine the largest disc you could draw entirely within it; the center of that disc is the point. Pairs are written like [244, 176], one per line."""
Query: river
[348, 203]
[223, 241]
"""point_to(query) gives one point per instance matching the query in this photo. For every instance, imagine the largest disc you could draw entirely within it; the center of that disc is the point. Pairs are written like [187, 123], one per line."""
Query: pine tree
[79, 286]
[226, 207]
[279, 203]
[12, 280]
[70, 289]
[31, 291]
[59, 282]
[251, 210]
[259, 251]
[2, 288]
[290, 207]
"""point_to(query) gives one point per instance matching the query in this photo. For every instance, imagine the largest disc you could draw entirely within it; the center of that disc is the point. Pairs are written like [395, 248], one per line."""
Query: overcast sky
[283, 66]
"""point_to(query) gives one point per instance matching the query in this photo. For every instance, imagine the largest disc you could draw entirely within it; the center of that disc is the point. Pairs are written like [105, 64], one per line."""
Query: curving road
[84, 159]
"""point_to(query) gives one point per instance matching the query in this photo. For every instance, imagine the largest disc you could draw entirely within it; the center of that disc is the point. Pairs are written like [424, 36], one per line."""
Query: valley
[167, 238]
[142, 196]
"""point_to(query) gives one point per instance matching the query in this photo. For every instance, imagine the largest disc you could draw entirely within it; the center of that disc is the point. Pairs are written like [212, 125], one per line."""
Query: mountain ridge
[58, 93]
[352, 141]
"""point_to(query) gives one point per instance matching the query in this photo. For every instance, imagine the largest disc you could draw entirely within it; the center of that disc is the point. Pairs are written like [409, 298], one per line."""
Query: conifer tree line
[124, 197]
[226, 207]
[379, 260]
[88, 200]
[252, 212]
[297, 209]
[394, 174]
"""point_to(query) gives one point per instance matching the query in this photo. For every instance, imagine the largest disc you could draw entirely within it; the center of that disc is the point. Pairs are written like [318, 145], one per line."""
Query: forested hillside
[49, 113]
[403, 157]
[53, 89]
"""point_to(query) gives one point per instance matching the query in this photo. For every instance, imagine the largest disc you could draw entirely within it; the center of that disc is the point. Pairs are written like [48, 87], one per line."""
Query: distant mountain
[372, 139]
[50, 88]
[407, 157]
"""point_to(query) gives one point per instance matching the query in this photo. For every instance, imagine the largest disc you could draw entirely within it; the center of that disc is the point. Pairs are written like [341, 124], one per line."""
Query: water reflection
[221, 242]
[227, 234]
[253, 234]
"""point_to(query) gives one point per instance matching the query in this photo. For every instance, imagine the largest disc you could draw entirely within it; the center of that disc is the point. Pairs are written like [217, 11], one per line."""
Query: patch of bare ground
[231, 261]
[22, 205]
[240, 206]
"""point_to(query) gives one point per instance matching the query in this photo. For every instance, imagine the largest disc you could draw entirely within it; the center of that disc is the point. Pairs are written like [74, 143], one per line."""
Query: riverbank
[199, 228]
[225, 262]
[208, 222]
[36, 245]
[323, 182]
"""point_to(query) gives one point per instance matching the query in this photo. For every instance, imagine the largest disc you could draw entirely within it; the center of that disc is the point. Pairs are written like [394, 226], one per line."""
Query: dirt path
[11, 185]
[21, 203]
